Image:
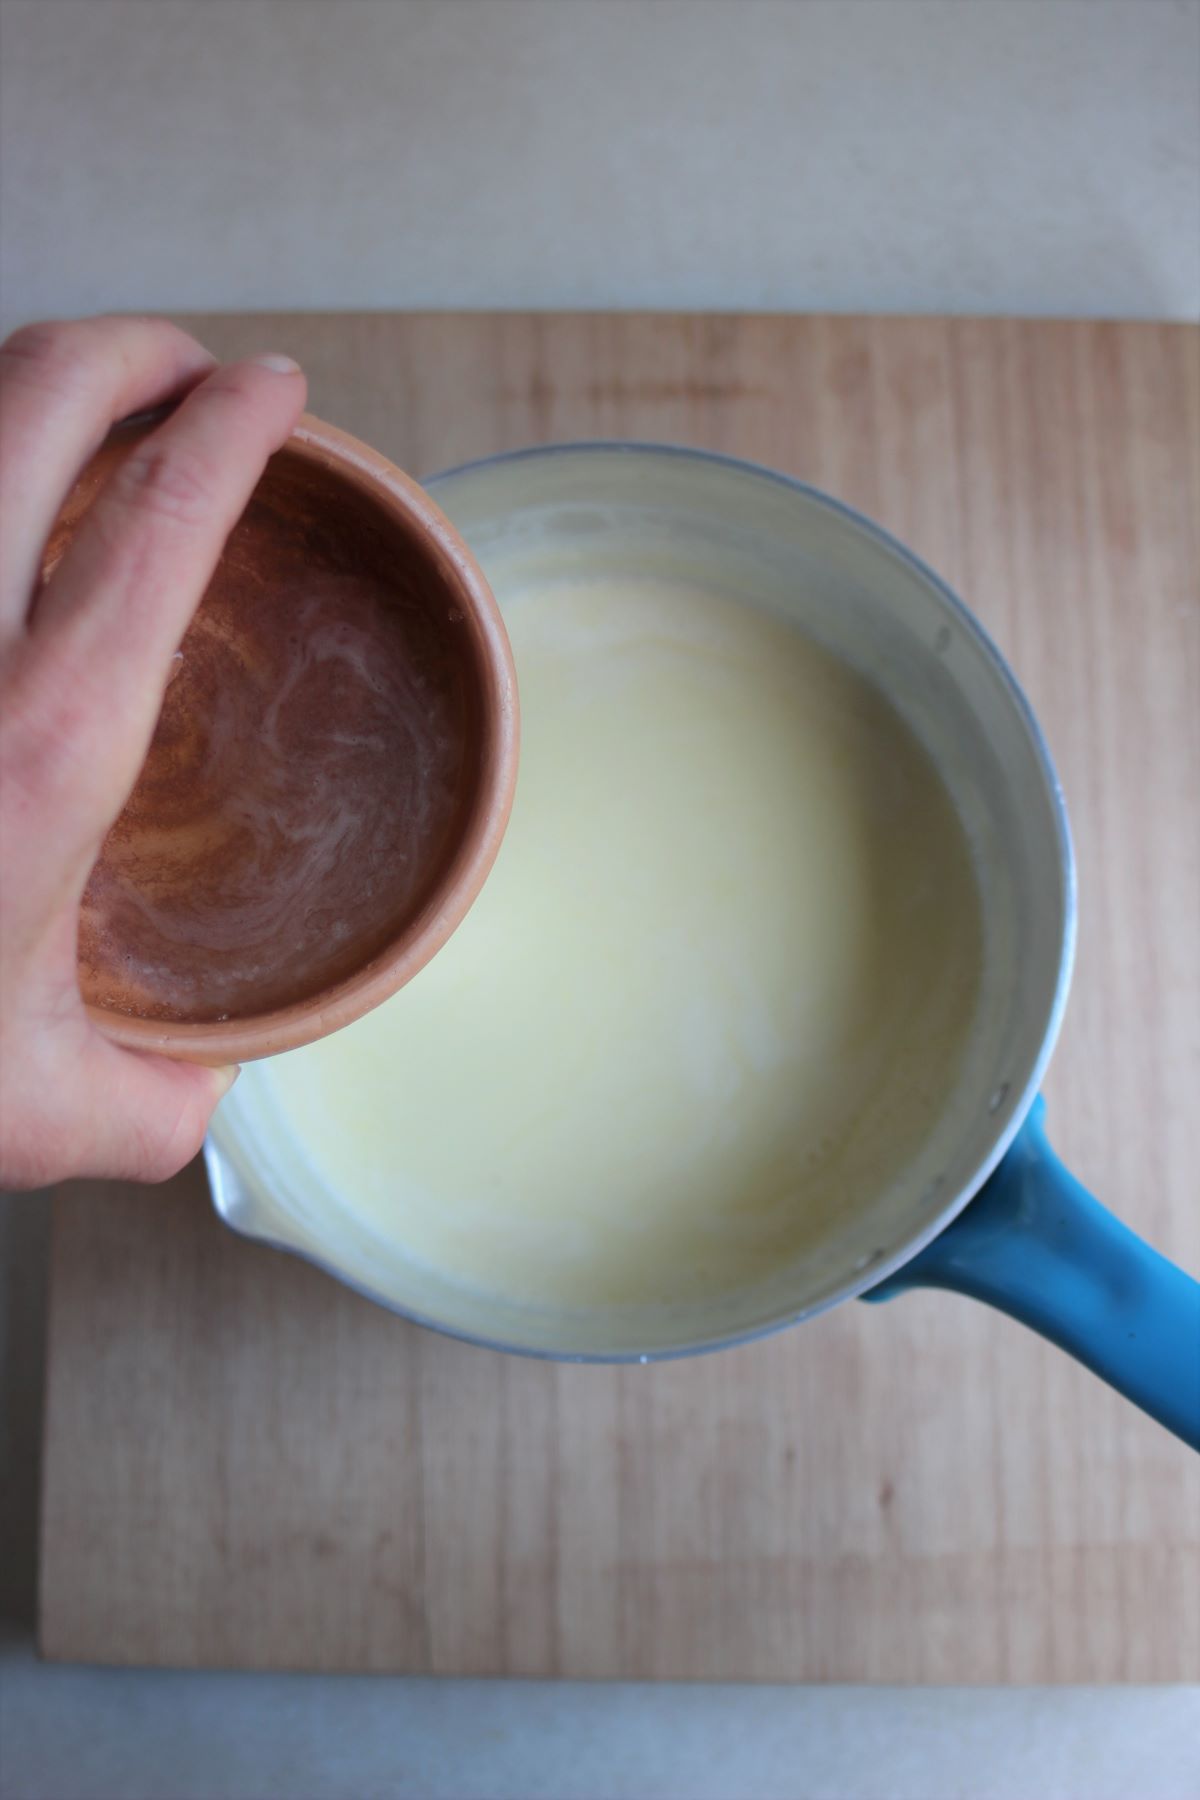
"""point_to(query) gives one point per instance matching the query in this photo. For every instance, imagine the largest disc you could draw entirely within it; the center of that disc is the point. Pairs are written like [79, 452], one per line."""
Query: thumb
[147, 1114]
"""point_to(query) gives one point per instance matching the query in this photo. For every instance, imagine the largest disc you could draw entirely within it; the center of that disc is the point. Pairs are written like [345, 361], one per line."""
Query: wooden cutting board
[246, 1465]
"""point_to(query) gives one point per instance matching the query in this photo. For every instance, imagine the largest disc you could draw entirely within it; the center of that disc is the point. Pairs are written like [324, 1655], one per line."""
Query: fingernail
[277, 363]
[225, 1077]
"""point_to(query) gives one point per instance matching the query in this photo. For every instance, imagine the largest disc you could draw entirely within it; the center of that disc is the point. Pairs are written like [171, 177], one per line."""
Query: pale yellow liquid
[713, 992]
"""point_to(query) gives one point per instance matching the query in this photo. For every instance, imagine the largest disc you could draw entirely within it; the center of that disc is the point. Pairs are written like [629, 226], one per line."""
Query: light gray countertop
[873, 155]
[985, 156]
[90, 1734]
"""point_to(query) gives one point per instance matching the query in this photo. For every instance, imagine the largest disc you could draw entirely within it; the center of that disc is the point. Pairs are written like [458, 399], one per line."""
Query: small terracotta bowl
[331, 774]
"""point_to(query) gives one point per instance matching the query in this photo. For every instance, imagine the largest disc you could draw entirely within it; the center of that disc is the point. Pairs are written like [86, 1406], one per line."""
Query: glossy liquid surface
[715, 987]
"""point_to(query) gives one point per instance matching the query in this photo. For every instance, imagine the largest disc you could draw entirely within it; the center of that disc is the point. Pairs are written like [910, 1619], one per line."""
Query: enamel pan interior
[849, 585]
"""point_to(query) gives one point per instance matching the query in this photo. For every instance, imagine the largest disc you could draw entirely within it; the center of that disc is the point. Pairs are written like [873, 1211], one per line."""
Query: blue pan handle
[1036, 1245]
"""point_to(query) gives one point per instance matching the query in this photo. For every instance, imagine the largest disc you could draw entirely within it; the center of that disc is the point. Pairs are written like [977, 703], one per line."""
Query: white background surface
[1032, 156]
[81, 1734]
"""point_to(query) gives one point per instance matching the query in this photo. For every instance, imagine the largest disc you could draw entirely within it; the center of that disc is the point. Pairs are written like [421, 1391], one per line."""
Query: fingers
[147, 1116]
[119, 602]
[95, 1109]
[61, 387]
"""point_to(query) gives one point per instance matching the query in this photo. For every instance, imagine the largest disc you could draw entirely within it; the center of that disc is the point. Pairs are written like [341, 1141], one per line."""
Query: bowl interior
[318, 763]
[849, 587]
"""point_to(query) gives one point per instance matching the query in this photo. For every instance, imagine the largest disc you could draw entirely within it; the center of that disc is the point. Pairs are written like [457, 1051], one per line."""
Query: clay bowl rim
[303, 1021]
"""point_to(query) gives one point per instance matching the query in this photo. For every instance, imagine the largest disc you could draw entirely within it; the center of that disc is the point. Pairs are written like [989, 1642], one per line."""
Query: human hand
[84, 661]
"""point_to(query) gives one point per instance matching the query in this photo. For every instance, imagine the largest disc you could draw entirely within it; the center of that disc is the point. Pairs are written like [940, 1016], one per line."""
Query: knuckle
[28, 1160]
[49, 718]
[38, 1143]
[165, 1144]
[54, 355]
[36, 1150]
[166, 482]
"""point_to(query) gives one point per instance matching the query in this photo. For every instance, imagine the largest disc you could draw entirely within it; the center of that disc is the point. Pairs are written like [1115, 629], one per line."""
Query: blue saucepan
[983, 1207]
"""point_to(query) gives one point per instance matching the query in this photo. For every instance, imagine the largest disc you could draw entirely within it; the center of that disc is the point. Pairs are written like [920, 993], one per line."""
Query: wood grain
[245, 1465]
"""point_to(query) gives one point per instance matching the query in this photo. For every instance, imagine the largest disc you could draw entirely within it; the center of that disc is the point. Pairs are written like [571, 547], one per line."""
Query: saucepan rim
[230, 1192]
